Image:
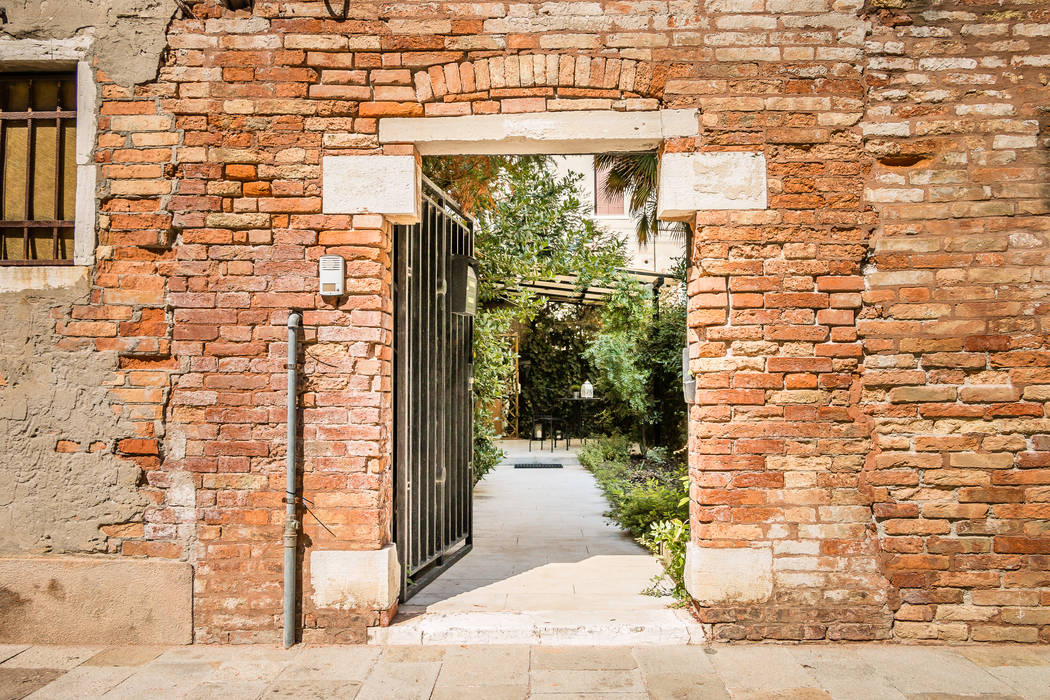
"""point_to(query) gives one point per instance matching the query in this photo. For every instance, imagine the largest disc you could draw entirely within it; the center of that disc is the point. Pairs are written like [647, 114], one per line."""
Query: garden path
[547, 567]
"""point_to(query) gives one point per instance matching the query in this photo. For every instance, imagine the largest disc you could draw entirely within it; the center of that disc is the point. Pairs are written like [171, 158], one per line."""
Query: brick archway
[538, 82]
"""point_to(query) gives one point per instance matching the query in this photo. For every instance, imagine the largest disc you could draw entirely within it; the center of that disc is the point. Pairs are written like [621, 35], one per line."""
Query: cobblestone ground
[498, 672]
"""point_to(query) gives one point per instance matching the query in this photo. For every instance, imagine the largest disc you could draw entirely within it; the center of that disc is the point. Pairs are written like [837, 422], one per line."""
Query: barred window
[37, 168]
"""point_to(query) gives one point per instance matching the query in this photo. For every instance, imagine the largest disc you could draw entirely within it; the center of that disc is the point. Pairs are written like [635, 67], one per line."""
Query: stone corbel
[372, 184]
[692, 182]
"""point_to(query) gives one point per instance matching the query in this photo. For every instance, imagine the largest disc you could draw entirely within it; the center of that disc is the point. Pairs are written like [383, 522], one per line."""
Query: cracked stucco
[129, 35]
[54, 501]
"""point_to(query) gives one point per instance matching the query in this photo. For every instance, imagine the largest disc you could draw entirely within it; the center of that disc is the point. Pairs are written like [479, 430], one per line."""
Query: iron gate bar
[432, 396]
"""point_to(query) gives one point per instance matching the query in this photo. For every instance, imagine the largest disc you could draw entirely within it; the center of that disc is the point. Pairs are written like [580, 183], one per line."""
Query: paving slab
[843, 674]
[760, 668]
[411, 654]
[480, 692]
[19, 682]
[61, 657]
[1030, 682]
[482, 666]
[595, 681]
[685, 686]
[227, 690]
[1004, 655]
[400, 681]
[784, 694]
[159, 679]
[336, 663]
[671, 660]
[921, 669]
[582, 658]
[305, 689]
[9, 650]
[125, 656]
[84, 681]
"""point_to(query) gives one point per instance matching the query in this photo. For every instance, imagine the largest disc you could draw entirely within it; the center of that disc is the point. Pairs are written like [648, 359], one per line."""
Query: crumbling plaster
[129, 35]
[57, 501]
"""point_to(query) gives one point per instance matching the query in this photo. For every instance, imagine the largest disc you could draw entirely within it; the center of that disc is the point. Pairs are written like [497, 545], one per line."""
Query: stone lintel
[372, 184]
[354, 580]
[692, 182]
[728, 576]
[588, 131]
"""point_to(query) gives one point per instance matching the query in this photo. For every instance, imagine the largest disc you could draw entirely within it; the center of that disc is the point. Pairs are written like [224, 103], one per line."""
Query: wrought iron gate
[433, 360]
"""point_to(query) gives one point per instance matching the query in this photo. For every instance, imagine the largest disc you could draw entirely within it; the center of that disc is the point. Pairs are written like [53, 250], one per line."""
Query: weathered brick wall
[954, 326]
[777, 442]
[211, 229]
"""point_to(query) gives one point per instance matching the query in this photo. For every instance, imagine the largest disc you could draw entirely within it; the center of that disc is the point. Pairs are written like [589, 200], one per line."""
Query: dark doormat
[536, 465]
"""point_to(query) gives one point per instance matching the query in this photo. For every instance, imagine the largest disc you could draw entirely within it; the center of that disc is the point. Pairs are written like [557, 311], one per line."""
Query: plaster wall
[62, 486]
[129, 34]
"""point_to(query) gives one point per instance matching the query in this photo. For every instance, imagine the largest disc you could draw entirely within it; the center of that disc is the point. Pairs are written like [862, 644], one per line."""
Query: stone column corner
[355, 580]
[728, 576]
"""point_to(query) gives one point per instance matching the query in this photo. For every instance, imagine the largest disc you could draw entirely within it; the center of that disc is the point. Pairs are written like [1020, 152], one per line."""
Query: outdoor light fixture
[332, 273]
[587, 390]
[463, 297]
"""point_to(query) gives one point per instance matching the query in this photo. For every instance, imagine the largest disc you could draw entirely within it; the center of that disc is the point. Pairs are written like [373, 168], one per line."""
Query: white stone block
[349, 580]
[728, 576]
[691, 182]
[387, 185]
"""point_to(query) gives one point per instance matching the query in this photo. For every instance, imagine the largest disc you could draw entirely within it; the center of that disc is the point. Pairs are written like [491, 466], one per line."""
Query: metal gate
[433, 359]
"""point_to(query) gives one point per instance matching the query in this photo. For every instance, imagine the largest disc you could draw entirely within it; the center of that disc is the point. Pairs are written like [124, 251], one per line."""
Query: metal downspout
[291, 522]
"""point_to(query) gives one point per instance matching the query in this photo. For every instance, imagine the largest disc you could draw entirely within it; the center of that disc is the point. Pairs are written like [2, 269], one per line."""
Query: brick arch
[539, 82]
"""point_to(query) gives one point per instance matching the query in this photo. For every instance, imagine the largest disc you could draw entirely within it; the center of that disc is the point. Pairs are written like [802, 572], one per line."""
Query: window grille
[37, 168]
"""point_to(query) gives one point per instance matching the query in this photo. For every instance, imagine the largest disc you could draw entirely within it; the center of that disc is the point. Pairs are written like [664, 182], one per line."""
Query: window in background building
[605, 204]
[37, 168]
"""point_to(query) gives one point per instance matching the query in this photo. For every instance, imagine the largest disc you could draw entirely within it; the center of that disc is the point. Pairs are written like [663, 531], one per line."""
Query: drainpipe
[291, 523]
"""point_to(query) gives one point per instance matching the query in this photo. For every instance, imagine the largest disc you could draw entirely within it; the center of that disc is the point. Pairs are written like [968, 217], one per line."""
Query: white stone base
[353, 580]
[554, 628]
[728, 576]
[95, 600]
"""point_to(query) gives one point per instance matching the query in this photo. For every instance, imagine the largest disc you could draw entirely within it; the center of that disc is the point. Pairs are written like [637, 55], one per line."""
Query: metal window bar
[433, 350]
[33, 223]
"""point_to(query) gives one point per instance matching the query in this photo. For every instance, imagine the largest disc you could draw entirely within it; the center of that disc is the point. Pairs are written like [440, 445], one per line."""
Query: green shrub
[649, 497]
[636, 507]
[667, 539]
[607, 449]
[640, 491]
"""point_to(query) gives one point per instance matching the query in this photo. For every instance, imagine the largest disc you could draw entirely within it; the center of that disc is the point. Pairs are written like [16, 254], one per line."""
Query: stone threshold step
[553, 628]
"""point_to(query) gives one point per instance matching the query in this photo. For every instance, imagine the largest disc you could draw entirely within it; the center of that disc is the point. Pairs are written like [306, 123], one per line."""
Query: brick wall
[954, 327]
[868, 350]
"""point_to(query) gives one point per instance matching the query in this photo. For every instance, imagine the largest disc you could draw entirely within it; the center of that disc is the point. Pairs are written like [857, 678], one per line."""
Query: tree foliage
[637, 358]
[636, 176]
[531, 226]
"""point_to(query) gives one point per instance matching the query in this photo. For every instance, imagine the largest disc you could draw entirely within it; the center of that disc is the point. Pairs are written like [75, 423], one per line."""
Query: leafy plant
[636, 176]
[649, 497]
[667, 539]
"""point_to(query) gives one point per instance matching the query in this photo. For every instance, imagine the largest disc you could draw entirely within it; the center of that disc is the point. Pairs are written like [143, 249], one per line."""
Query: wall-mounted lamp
[463, 291]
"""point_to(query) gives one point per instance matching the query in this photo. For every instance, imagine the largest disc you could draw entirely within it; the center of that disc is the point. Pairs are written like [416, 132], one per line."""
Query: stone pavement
[547, 568]
[751, 672]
